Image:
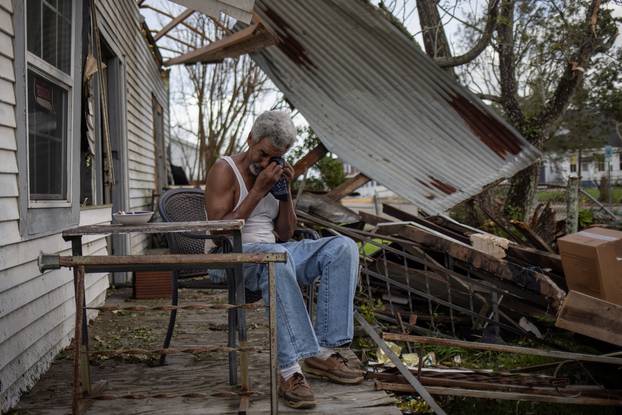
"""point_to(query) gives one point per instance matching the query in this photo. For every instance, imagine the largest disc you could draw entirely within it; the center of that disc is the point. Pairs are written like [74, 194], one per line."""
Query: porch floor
[187, 373]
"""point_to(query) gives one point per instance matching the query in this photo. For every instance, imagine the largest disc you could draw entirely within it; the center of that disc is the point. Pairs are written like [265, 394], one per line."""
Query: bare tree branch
[481, 44]
[488, 97]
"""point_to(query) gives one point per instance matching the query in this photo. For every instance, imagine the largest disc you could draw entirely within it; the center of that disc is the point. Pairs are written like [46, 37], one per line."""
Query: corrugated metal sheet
[383, 106]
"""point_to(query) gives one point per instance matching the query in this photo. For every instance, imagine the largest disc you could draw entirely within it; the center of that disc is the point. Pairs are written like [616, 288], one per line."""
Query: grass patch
[370, 248]
[559, 196]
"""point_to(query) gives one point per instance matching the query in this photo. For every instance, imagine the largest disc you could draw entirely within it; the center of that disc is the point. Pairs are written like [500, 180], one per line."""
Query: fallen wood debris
[437, 282]
[592, 317]
[456, 381]
[415, 384]
[553, 396]
[503, 348]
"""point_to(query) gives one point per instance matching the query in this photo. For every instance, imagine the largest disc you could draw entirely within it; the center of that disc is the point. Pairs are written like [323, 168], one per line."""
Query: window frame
[45, 217]
[65, 81]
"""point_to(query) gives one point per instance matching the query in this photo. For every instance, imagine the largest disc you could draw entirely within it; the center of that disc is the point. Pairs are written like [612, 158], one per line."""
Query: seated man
[239, 187]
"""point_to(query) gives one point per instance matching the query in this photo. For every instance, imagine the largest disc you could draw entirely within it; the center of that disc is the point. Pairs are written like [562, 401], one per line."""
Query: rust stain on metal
[287, 43]
[424, 184]
[442, 186]
[488, 129]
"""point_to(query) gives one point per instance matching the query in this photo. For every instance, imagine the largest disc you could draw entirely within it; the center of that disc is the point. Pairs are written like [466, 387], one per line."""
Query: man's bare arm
[220, 194]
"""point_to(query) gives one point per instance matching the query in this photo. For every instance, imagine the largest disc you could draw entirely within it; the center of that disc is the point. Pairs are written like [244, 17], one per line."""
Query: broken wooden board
[247, 40]
[524, 277]
[532, 236]
[405, 216]
[347, 187]
[592, 317]
[309, 160]
[322, 206]
[503, 348]
[552, 397]
[525, 255]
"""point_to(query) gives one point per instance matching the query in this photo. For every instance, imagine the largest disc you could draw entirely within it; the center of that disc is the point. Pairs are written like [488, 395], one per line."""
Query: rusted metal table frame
[236, 316]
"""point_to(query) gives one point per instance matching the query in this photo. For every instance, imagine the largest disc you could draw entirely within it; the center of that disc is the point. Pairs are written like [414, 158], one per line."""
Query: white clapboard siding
[24, 371]
[6, 69]
[37, 311]
[6, 5]
[6, 21]
[18, 289]
[7, 93]
[16, 254]
[143, 81]
[8, 163]
[7, 114]
[8, 209]
[14, 345]
[8, 185]
[7, 138]
[6, 44]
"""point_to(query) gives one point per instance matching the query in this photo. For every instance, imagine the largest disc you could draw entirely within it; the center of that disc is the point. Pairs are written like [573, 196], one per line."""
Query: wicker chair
[185, 205]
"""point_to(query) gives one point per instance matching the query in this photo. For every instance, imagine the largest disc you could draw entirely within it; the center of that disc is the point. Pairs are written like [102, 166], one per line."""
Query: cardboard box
[592, 262]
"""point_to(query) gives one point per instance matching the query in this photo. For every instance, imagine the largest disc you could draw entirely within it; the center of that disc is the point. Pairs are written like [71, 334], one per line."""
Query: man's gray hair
[275, 126]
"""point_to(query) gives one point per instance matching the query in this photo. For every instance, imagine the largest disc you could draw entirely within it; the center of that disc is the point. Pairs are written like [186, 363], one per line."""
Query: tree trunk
[434, 37]
[519, 202]
[521, 197]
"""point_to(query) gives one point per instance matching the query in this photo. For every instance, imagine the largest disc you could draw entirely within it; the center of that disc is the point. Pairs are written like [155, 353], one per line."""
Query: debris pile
[431, 282]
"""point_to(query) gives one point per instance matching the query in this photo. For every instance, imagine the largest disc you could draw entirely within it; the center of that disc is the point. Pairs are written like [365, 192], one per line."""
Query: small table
[237, 320]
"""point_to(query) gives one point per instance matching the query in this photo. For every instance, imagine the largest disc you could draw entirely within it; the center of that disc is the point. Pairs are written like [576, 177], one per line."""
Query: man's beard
[255, 169]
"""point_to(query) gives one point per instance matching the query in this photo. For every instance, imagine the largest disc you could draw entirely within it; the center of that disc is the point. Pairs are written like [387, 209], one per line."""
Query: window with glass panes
[49, 83]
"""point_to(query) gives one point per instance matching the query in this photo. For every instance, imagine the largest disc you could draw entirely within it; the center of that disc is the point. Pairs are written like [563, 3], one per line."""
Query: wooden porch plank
[187, 374]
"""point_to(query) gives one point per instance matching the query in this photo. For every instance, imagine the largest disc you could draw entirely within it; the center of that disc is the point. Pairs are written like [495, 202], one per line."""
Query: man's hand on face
[267, 177]
[288, 172]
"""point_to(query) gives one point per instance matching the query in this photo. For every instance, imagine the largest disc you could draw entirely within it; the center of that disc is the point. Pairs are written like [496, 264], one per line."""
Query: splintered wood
[591, 317]
[490, 244]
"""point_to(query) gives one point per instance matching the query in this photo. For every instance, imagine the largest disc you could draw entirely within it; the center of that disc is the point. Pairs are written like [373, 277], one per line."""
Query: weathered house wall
[36, 311]
[143, 81]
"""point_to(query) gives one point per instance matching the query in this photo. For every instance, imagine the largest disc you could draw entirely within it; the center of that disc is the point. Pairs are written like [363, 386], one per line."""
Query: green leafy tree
[327, 173]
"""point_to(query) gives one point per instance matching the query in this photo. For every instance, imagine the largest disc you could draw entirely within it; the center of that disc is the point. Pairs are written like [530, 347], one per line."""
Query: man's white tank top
[259, 226]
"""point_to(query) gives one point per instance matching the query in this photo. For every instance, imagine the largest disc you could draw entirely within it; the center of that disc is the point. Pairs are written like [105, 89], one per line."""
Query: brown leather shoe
[334, 368]
[296, 392]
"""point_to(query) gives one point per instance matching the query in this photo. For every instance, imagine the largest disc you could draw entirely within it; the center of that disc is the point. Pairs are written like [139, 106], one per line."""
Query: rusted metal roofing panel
[383, 106]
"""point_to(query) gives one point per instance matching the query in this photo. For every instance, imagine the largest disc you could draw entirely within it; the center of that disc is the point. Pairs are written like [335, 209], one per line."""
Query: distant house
[371, 188]
[52, 168]
[183, 155]
[594, 163]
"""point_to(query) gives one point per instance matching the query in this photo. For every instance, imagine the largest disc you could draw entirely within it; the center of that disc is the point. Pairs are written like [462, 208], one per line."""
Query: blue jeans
[335, 260]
